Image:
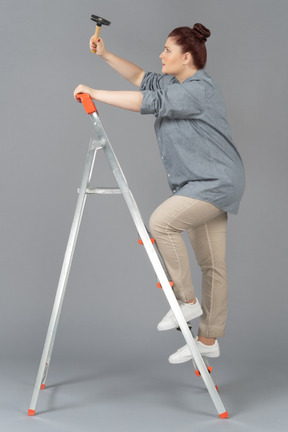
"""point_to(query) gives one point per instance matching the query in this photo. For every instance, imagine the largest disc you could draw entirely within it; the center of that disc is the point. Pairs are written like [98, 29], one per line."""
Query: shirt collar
[200, 74]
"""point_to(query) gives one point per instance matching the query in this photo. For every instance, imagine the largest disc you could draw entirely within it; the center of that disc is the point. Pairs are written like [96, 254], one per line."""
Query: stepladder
[102, 143]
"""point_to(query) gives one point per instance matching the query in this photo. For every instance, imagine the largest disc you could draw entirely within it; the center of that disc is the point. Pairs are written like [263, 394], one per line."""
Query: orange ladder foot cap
[224, 415]
[31, 412]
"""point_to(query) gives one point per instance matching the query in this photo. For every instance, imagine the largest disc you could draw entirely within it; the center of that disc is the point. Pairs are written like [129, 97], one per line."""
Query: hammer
[99, 22]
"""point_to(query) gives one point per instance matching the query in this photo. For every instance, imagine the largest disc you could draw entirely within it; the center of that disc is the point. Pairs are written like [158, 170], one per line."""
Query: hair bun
[201, 32]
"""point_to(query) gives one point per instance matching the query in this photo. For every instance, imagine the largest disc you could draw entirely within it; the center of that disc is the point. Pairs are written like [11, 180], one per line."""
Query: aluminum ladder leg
[200, 364]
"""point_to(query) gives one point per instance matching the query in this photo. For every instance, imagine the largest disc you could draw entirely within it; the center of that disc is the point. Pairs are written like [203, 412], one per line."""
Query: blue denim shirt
[194, 138]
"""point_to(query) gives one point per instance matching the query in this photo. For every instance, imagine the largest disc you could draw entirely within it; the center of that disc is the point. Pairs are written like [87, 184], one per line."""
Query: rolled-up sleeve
[153, 81]
[176, 100]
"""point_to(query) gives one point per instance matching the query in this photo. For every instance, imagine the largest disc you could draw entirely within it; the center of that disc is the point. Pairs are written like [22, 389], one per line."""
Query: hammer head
[100, 21]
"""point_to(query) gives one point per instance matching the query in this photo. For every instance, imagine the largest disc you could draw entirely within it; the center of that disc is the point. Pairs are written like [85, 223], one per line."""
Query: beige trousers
[206, 227]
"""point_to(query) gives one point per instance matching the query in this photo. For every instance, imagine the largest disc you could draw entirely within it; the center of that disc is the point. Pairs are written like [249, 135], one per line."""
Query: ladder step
[160, 286]
[141, 242]
[103, 191]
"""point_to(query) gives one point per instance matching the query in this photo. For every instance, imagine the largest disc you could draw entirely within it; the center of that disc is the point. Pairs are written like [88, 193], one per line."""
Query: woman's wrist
[93, 93]
[105, 56]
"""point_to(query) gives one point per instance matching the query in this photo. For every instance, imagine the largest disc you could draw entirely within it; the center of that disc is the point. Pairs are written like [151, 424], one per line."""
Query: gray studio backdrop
[112, 304]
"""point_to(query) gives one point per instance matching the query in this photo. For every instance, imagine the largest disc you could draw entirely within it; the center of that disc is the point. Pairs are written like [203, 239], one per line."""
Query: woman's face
[173, 60]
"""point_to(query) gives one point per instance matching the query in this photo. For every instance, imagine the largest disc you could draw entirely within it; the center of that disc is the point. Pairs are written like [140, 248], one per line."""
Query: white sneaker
[183, 354]
[189, 310]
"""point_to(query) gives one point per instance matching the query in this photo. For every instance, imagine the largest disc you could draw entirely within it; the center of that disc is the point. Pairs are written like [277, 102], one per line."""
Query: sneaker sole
[184, 360]
[190, 357]
[173, 326]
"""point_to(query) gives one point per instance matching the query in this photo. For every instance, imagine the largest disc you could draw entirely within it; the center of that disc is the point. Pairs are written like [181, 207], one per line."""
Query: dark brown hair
[193, 40]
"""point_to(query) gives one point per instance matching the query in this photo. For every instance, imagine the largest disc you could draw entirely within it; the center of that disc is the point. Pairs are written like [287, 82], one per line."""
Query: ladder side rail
[64, 275]
[82, 191]
[155, 261]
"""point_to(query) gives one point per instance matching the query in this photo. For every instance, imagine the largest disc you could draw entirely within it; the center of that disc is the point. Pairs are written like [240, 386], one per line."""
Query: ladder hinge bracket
[96, 144]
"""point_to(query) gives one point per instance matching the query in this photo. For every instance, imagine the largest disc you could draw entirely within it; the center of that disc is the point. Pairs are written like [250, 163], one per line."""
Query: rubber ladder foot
[42, 387]
[31, 412]
[224, 415]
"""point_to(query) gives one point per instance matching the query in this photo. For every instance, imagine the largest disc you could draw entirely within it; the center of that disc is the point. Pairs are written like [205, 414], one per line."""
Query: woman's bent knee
[154, 222]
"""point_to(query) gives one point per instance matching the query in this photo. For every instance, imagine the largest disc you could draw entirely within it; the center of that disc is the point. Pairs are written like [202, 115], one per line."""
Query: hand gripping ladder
[201, 364]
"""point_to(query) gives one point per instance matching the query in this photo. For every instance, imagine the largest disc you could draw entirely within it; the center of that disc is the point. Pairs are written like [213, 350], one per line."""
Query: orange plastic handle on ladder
[86, 100]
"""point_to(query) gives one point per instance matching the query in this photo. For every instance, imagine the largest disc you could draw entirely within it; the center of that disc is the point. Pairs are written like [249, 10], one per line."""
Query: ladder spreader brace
[201, 365]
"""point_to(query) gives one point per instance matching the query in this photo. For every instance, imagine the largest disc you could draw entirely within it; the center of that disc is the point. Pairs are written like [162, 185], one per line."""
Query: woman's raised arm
[125, 68]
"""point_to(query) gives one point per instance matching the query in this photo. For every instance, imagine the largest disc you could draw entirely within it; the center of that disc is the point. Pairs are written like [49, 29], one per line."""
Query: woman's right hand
[99, 49]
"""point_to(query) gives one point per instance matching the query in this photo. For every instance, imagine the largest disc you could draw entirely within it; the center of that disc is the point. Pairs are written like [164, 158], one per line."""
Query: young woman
[204, 171]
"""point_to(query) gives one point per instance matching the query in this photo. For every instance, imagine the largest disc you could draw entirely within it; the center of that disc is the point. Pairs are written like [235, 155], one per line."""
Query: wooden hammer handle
[96, 36]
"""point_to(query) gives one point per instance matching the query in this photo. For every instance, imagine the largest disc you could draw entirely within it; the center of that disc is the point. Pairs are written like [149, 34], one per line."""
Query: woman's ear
[187, 58]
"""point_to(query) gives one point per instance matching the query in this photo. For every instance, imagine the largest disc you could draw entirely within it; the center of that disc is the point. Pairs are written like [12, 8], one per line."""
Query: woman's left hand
[81, 88]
